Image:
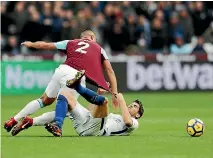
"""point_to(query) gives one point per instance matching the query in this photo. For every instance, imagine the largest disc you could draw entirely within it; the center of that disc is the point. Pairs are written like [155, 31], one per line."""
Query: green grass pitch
[162, 131]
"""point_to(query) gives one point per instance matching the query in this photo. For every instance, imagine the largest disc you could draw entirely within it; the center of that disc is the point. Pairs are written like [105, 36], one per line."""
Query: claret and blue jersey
[85, 55]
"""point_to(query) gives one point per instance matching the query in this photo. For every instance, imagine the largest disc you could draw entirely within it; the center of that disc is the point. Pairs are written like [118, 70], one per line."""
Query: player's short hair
[88, 33]
[141, 109]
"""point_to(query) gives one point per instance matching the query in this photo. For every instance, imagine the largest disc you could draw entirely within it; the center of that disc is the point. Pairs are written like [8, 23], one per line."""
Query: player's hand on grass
[27, 44]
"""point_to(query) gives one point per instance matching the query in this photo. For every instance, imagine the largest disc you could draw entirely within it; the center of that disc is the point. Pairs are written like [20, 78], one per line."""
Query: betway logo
[17, 77]
[170, 76]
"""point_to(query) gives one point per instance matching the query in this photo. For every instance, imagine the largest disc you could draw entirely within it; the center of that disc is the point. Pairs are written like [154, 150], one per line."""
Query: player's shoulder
[114, 115]
[75, 40]
[135, 120]
[135, 123]
[95, 44]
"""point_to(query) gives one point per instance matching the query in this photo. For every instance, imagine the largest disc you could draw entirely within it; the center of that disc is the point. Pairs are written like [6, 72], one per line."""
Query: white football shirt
[116, 126]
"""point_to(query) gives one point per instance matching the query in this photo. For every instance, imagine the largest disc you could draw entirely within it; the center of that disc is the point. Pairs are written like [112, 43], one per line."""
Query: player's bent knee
[67, 95]
[106, 101]
[64, 93]
[101, 111]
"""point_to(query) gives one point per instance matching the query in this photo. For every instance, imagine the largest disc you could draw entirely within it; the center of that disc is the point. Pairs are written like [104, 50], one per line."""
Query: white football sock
[30, 108]
[44, 118]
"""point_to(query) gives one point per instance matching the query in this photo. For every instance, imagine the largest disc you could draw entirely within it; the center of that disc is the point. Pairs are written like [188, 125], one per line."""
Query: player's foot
[73, 82]
[10, 124]
[22, 125]
[54, 129]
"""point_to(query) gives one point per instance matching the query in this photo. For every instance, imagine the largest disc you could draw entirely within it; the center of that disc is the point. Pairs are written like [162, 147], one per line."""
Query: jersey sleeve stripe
[104, 54]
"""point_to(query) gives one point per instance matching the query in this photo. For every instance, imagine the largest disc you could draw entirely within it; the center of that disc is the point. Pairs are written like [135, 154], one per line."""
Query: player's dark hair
[141, 109]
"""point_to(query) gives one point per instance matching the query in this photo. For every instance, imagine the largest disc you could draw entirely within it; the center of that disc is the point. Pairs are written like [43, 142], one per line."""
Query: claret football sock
[61, 110]
[90, 95]
[30, 108]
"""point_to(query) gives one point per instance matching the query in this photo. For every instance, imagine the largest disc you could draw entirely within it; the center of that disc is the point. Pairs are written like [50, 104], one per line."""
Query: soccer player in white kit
[94, 121]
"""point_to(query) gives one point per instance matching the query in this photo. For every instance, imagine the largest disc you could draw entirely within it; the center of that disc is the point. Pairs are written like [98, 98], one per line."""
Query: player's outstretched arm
[124, 110]
[112, 79]
[39, 45]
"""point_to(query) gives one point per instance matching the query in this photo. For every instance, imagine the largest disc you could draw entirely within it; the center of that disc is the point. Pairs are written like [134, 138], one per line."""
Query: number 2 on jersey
[84, 46]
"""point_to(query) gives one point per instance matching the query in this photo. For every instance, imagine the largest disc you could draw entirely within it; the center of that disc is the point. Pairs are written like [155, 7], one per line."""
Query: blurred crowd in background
[121, 27]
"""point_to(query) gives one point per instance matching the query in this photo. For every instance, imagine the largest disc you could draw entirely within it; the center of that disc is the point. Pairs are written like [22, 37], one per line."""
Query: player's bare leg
[100, 111]
[30, 108]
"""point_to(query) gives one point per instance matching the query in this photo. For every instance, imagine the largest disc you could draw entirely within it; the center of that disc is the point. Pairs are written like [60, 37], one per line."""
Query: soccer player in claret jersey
[82, 54]
[94, 121]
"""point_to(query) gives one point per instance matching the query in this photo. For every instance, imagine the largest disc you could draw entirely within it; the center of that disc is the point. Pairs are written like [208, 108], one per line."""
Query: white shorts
[58, 81]
[85, 124]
